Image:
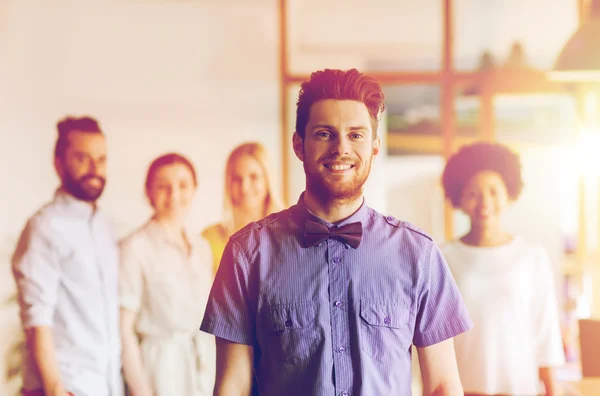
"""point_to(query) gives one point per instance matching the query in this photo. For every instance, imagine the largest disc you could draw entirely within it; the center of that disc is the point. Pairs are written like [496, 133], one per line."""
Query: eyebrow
[330, 127]
[85, 154]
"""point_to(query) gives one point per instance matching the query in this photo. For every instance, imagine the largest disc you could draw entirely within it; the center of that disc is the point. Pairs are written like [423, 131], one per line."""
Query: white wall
[414, 193]
[196, 77]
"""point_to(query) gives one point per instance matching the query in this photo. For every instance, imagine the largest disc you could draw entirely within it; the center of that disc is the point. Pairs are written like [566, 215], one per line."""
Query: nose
[485, 201]
[96, 167]
[92, 167]
[246, 185]
[341, 146]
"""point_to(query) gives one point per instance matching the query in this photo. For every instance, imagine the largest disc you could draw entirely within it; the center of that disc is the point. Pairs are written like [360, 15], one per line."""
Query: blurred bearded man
[65, 267]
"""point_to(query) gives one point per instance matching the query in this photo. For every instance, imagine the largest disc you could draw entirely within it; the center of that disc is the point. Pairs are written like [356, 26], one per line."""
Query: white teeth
[340, 167]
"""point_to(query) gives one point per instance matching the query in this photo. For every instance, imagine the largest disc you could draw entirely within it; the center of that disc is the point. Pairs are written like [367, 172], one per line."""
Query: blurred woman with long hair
[164, 284]
[249, 195]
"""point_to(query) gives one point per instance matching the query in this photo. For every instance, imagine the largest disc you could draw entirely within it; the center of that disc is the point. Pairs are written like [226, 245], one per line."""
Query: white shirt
[168, 289]
[66, 266]
[509, 292]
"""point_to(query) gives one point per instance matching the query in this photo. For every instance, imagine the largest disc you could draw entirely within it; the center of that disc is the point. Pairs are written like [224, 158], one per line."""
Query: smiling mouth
[338, 167]
[94, 181]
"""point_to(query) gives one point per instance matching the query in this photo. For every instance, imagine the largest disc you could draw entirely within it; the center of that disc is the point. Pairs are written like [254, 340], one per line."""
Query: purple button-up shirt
[330, 319]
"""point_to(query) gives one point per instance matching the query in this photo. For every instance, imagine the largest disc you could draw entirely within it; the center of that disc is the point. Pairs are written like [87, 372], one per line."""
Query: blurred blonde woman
[249, 195]
[164, 284]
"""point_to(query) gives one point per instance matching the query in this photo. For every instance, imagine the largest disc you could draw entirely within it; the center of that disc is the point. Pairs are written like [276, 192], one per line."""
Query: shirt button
[390, 218]
[338, 304]
[288, 323]
[387, 320]
[341, 349]
[344, 393]
[337, 260]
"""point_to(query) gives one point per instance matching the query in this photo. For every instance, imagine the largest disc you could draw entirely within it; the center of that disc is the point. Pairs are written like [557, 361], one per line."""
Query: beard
[80, 190]
[329, 191]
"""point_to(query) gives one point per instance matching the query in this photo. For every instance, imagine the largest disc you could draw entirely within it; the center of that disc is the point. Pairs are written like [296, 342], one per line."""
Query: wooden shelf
[419, 144]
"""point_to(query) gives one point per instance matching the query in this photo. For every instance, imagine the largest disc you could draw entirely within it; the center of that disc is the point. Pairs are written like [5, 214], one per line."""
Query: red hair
[339, 85]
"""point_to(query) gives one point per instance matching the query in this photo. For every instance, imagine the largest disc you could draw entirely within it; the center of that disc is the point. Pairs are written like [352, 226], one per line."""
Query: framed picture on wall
[538, 119]
[413, 119]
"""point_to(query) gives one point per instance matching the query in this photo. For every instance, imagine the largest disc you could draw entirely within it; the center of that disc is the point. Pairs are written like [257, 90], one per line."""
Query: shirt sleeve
[441, 313]
[130, 278]
[229, 312]
[37, 272]
[549, 349]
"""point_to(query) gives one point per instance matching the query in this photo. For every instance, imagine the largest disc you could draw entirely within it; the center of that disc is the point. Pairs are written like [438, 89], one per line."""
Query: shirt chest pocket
[385, 332]
[290, 332]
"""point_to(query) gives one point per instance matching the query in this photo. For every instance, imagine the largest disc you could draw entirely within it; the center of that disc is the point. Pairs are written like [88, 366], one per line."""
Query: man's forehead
[331, 103]
[341, 110]
[81, 133]
[83, 142]
[77, 136]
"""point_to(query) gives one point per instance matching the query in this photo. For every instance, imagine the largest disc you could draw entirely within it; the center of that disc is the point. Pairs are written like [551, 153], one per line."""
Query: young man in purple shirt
[327, 297]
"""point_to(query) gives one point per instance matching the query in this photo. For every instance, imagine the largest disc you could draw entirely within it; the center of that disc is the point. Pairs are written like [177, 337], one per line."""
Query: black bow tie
[315, 233]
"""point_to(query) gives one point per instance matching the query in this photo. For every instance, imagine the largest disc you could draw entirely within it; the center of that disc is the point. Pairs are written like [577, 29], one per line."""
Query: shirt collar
[302, 213]
[156, 231]
[76, 206]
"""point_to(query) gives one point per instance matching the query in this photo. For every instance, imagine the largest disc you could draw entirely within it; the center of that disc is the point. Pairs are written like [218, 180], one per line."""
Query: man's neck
[332, 211]
[487, 236]
[173, 227]
[91, 204]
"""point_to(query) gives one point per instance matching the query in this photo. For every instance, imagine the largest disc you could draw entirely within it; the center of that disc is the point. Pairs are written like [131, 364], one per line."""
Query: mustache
[90, 177]
[334, 158]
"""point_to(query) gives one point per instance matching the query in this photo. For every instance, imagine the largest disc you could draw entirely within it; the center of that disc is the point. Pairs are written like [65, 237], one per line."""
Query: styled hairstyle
[472, 159]
[339, 85]
[164, 160]
[70, 124]
[257, 151]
